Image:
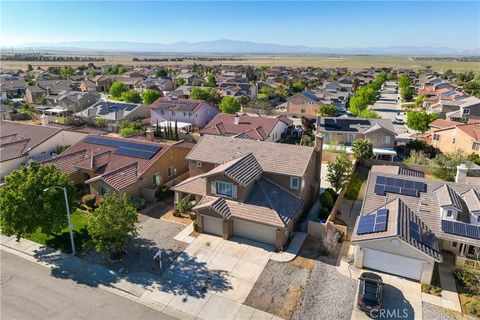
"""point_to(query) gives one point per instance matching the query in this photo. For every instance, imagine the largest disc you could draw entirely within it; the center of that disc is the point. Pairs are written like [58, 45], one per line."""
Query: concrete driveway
[402, 299]
[218, 276]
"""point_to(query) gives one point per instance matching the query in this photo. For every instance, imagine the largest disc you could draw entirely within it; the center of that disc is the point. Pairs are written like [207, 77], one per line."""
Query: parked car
[370, 292]
[398, 120]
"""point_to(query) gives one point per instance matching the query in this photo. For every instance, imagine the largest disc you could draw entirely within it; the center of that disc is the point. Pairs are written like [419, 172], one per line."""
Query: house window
[184, 114]
[156, 179]
[466, 111]
[449, 213]
[476, 146]
[224, 189]
[478, 219]
[302, 111]
[294, 183]
[351, 137]
[386, 139]
[454, 244]
[190, 114]
[199, 164]
[327, 135]
[453, 140]
[103, 191]
[174, 113]
[162, 112]
[171, 171]
[436, 137]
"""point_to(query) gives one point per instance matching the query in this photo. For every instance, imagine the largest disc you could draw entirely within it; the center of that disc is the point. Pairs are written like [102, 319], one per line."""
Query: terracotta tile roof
[13, 150]
[273, 157]
[167, 103]
[194, 185]
[224, 124]
[442, 123]
[103, 160]
[119, 178]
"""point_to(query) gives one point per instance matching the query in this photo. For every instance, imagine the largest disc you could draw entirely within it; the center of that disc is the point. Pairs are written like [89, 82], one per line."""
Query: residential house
[251, 127]
[194, 112]
[238, 89]
[125, 166]
[158, 84]
[13, 86]
[87, 86]
[114, 112]
[192, 79]
[21, 142]
[252, 189]
[450, 136]
[72, 101]
[304, 104]
[342, 132]
[407, 221]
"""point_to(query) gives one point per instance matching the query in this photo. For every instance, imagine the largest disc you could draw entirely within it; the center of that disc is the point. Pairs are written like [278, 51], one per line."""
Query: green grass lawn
[61, 241]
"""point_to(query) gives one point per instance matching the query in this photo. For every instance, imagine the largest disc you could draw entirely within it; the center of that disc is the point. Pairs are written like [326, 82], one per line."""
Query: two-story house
[194, 112]
[342, 132]
[256, 128]
[449, 136]
[251, 189]
[132, 166]
[407, 221]
[303, 104]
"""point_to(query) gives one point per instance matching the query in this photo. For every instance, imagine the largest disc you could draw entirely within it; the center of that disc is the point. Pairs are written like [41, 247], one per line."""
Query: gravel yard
[328, 294]
[305, 287]
[432, 312]
[153, 234]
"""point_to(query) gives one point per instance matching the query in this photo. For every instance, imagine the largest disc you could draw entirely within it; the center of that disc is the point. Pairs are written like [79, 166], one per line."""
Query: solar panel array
[375, 222]
[399, 186]
[107, 107]
[461, 229]
[126, 148]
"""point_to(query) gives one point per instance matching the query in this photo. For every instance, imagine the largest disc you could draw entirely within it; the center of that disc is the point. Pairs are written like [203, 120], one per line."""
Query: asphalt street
[29, 291]
[388, 106]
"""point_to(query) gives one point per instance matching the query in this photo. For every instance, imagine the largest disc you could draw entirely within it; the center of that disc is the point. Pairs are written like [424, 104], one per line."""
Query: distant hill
[239, 47]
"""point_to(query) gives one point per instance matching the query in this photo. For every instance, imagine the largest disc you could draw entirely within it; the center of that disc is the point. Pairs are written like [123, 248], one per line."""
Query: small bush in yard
[137, 202]
[326, 200]
[162, 193]
[332, 193]
[89, 200]
[323, 215]
[184, 205]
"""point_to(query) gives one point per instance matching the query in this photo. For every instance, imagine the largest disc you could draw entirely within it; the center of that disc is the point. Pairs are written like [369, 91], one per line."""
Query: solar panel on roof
[122, 144]
[430, 240]
[398, 186]
[375, 222]
[461, 229]
[380, 189]
[134, 153]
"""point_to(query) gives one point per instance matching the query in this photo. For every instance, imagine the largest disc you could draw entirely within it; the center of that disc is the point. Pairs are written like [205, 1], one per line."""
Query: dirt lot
[281, 287]
[352, 62]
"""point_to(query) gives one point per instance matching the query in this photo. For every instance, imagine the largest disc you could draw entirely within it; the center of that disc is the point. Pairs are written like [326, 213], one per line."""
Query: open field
[351, 62]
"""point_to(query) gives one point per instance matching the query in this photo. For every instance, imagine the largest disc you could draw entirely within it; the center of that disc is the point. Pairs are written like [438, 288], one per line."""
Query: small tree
[180, 81]
[229, 105]
[419, 120]
[27, 110]
[211, 80]
[208, 94]
[362, 149]
[184, 206]
[131, 96]
[117, 89]
[161, 73]
[327, 110]
[25, 207]
[112, 224]
[128, 128]
[150, 96]
[444, 166]
[339, 171]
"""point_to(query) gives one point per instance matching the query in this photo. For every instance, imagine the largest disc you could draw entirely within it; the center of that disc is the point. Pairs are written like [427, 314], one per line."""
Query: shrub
[473, 307]
[353, 188]
[323, 214]
[195, 226]
[162, 193]
[184, 205]
[137, 202]
[326, 200]
[89, 200]
[332, 193]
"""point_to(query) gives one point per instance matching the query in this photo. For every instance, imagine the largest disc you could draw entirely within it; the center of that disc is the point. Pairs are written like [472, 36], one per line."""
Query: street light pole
[70, 225]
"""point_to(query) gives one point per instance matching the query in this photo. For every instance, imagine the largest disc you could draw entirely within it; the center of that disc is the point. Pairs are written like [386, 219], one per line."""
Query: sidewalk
[159, 292]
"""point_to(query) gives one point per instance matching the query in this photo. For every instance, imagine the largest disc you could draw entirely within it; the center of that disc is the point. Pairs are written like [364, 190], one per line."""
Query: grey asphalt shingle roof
[426, 206]
[354, 124]
[273, 157]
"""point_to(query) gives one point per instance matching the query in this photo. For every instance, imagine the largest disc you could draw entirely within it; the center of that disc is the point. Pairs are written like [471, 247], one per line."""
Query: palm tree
[27, 110]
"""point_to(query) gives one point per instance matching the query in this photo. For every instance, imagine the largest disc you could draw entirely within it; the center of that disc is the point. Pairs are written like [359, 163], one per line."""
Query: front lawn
[61, 241]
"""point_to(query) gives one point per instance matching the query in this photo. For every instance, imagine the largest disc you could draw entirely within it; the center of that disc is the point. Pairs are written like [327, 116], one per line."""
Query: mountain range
[238, 47]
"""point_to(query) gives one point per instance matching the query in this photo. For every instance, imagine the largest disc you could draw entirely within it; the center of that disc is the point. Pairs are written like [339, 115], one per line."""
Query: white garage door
[212, 225]
[254, 231]
[394, 264]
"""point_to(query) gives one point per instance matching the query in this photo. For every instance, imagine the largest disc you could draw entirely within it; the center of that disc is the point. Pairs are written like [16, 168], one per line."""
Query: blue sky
[453, 24]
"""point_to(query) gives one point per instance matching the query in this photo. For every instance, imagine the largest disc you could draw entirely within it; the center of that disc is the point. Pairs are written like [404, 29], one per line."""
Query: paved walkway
[450, 298]
[190, 298]
[293, 249]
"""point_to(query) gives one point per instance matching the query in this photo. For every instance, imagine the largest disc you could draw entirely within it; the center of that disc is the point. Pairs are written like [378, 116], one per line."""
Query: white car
[398, 120]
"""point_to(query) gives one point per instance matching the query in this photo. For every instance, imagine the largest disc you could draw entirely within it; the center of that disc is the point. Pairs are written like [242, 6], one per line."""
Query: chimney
[44, 120]
[461, 174]
[318, 159]
[48, 90]
[236, 120]
[150, 135]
